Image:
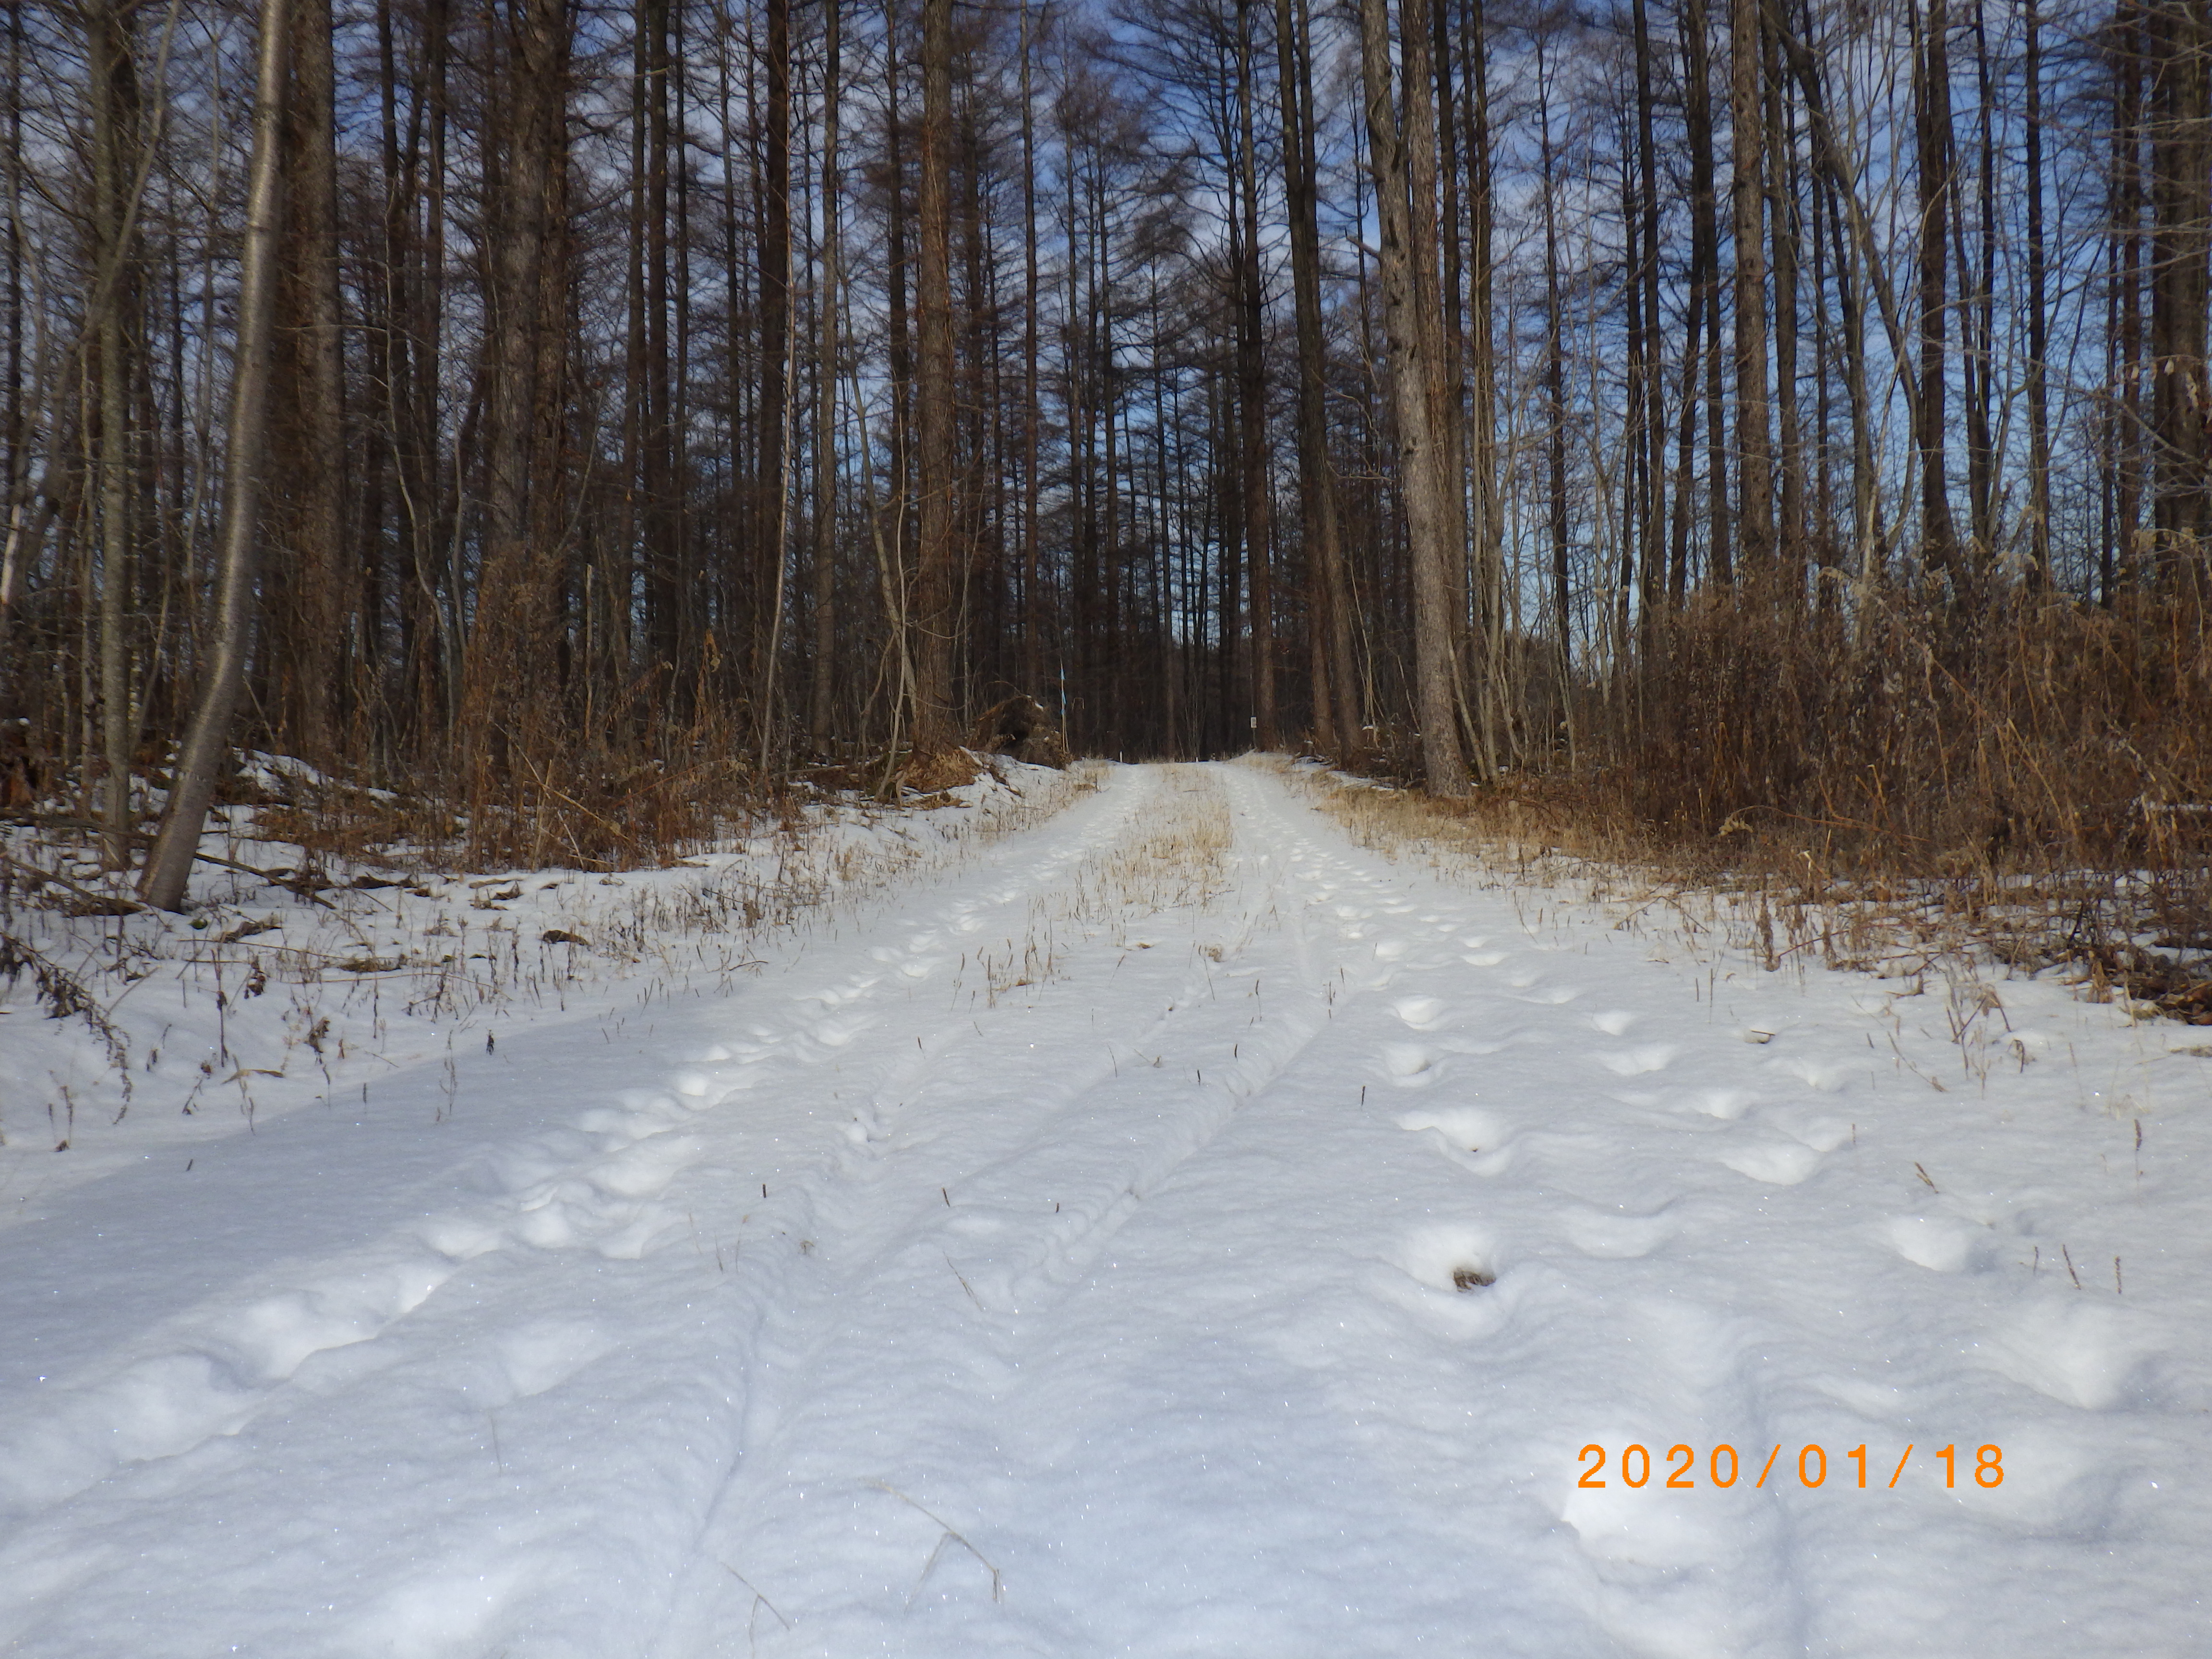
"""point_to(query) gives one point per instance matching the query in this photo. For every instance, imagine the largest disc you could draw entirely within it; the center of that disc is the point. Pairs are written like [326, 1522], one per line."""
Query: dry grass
[2034, 785]
[1173, 863]
[294, 975]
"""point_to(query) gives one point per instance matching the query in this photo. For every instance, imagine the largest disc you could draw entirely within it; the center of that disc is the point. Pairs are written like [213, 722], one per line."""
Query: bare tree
[205, 749]
[1407, 250]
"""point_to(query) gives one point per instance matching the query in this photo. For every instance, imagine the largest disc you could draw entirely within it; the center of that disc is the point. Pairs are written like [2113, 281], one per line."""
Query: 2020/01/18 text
[1721, 1468]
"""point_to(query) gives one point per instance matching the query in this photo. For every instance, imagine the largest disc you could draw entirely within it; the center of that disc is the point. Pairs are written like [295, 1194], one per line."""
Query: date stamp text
[1635, 1466]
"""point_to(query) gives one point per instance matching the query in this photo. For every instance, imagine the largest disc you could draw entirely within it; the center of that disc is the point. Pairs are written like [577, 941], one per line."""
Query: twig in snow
[951, 1534]
[972, 1297]
[2070, 1274]
[759, 1601]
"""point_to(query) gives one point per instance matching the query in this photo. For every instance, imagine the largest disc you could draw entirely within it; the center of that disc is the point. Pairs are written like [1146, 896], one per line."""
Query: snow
[1175, 1229]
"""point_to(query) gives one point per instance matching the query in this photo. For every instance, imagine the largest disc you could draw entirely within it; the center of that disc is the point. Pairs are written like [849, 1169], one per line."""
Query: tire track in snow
[1037, 1346]
[596, 1187]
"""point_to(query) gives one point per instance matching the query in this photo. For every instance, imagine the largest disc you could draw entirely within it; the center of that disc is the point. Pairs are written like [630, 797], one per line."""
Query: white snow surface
[1066, 1257]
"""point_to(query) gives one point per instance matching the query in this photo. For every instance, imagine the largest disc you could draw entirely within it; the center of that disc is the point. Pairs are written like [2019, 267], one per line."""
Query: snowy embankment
[1179, 1232]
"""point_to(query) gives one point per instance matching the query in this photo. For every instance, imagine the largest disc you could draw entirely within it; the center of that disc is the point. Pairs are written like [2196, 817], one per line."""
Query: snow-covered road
[1183, 1233]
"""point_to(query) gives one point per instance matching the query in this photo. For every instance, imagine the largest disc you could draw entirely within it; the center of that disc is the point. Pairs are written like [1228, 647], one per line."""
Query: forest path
[1186, 1233]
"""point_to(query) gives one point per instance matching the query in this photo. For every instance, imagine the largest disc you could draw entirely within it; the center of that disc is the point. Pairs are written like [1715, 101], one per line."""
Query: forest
[1762, 422]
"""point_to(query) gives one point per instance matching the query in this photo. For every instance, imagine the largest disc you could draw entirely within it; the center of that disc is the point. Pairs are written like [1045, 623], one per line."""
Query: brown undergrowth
[2034, 781]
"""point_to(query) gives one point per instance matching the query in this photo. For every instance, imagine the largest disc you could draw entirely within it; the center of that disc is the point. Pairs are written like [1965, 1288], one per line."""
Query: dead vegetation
[2035, 784]
[298, 964]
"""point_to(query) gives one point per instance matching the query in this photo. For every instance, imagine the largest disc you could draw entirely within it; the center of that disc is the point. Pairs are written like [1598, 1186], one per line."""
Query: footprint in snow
[1410, 1065]
[2077, 1352]
[1614, 1236]
[1817, 1130]
[1778, 1162]
[1458, 1258]
[1420, 1013]
[1726, 1105]
[458, 1239]
[546, 1354]
[1614, 1022]
[1635, 1063]
[836, 996]
[268, 1341]
[1477, 1141]
[645, 1168]
[1815, 1074]
[1940, 1246]
[837, 1033]
[1466, 1127]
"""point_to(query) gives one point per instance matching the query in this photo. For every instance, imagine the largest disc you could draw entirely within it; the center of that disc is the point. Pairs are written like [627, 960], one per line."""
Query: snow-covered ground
[957, 1285]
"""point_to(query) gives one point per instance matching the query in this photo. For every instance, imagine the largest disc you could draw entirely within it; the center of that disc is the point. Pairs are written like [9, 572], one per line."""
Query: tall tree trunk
[2039, 317]
[773, 487]
[1486, 504]
[899, 327]
[1978, 312]
[1336, 689]
[1555, 422]
[934, 414]
[1409, 271]
[1747, 199]
[223, 676]
[1032, 671]
[1653, 411]
[2181, 211]
[2130, 37]
[510, 673]
[825, 394]
[1252, 405]
[307, 527]
[116, 328]
[1784, 220]
[1705, 289]
[1932, 160]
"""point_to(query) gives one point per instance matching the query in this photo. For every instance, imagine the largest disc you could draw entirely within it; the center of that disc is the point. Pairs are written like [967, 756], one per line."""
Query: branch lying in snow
[131, 906]
[952, 1534]
[49, 821]
[759, 1601]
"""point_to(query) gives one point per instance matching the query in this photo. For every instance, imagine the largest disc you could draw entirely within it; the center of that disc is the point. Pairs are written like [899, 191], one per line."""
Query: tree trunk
[307, 482]
[825, 396]
[1706, 292]
[934, 728]
[1653, 410]
[1337, 720]
[1783, 222]
[1032, 671]
[2038, 317]
[200, 761]
[1747, 199]
[116, 330]
[1932, 85]
[2181, 212]
[1555, 422]
[1252, 405]
[509, 675]
[1407, 251]
[772, 485]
